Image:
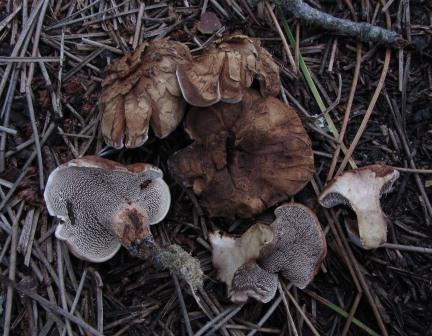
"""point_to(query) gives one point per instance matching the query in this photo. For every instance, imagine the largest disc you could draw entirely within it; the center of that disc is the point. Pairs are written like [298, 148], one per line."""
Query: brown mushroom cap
[226, 69]
[246, 157]
[361, 189]
[141, 88]
[103, 204]
[298, 247]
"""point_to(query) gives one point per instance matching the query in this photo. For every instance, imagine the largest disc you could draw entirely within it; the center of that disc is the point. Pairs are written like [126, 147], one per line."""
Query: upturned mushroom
[246, 156]
[226, 69]
[104, 205]
[141, 89]
[293, 245]
[361, 189]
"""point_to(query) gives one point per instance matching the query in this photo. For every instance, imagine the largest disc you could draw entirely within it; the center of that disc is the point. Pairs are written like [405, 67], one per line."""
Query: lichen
[182, 264]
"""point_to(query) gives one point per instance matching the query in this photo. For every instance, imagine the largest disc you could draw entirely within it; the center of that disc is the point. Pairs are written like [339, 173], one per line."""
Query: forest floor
[53, 98]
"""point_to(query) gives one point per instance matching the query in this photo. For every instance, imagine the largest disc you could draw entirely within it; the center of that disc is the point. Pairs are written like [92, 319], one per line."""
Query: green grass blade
[312, 87]
[341, 312]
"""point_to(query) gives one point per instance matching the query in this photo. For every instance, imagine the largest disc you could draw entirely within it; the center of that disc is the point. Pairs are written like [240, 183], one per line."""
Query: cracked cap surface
[246, 157]
[141, 89]
[226, 69]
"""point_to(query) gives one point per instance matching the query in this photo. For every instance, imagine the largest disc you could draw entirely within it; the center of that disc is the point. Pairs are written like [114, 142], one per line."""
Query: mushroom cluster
[250, 152]
[246, 157]
[293, 245]
[151, 85]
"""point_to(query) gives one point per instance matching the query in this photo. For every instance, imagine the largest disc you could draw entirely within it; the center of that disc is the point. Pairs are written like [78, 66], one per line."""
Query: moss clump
[182, 264]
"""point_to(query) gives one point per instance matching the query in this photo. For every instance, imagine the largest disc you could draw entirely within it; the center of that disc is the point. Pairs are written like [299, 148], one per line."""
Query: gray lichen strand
[87, 198]
[298, 245]
[182, 264]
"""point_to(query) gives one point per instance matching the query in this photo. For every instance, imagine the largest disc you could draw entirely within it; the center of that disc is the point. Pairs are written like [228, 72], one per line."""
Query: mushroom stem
[372, 225]
[132, 228]
[145, 248]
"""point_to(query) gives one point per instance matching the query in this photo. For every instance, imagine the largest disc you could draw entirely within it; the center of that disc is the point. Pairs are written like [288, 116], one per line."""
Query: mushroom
[104, 205]
[230, 252]
[226, 69]
[293, 245]
[361, 189]
[141, 89]
[246, 156]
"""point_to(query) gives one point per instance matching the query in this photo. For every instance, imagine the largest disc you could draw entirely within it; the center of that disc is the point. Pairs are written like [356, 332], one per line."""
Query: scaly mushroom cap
[247, 156]
[298, 247]
[141, 88]
[226, 69]
[293, 245]
[103, 204]
[361, 189]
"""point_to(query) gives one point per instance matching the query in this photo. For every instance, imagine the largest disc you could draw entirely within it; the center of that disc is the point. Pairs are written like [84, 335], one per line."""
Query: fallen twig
[362, 30]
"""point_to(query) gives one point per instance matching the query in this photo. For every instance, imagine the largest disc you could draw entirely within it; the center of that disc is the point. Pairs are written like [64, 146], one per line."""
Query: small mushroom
[141, 89]
[361, 189]
[246, 157]
[226, 69]
[104, 205]
[293, 245]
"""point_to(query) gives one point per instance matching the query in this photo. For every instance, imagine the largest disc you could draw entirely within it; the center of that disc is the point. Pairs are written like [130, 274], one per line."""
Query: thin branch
[362, 30]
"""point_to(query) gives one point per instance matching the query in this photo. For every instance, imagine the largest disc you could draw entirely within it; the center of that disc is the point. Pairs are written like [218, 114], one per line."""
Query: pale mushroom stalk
[371, 221]
[132, 229]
